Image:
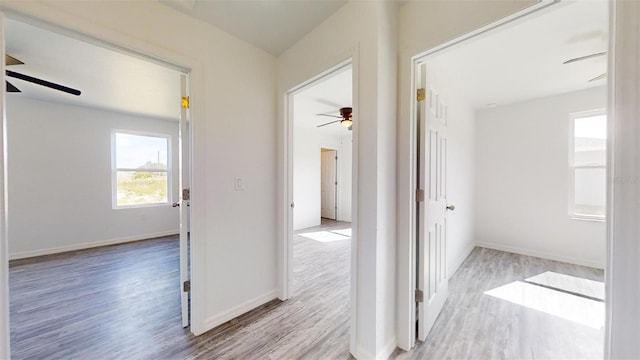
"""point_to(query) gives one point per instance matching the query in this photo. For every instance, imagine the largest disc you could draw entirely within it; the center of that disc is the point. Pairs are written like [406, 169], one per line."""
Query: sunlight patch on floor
[345, 232]
[553, 302]
[325, 236]
[572, 284]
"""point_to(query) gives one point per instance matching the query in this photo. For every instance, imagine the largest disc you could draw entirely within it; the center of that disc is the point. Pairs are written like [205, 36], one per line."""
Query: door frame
[86, 30]
[285, 248]
[407, 250]
[337, 185]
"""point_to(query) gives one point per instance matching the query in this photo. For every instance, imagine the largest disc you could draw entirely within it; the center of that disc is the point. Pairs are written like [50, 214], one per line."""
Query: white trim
[89, 245]
[387, 349]
[460, 260]
[406, 265]
[217, 320]
[622, 275]
[541, 254]
[5, 351]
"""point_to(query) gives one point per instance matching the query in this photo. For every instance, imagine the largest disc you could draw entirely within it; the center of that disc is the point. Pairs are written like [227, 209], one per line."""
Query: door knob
[175, 204]
[451, 207]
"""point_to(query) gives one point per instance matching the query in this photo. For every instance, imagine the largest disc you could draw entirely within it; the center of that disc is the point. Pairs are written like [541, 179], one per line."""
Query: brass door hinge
[185, 102]
[421, 95]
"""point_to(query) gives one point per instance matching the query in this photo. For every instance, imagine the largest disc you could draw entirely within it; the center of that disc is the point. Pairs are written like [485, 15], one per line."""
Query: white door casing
[184, 199]
[5, 352]
[328, 183]
[432, 208]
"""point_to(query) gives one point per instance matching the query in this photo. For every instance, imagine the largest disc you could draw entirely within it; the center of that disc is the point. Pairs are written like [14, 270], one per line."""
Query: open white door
[185, 171]
[329, 182]
[432, 204]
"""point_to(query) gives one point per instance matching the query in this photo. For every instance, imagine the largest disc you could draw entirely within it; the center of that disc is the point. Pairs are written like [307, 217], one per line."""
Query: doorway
[329, 184]
[81, 142]
[504, 124]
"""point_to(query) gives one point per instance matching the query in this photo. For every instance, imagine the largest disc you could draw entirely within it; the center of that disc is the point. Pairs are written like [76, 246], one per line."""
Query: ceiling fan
[10, 60]
[586, 57]
[346, 118]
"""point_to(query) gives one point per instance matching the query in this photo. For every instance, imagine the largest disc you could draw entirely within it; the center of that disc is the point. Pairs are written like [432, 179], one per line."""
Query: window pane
[140, 152]
[590, 143]
[590, 191]
[141, 188]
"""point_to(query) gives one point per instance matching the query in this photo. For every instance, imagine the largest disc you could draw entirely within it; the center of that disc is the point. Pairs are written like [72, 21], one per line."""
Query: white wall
[370, 40]
[306, 176]
[523, 180]
[59, 177]
[233, 136]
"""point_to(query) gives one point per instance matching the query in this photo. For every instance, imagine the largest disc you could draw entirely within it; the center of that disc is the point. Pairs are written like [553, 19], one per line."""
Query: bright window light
[588, 165]
[141, 171]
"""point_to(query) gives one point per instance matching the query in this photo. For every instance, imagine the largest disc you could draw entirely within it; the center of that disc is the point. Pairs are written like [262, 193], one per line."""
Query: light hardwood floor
[122, 302]
[474, 325]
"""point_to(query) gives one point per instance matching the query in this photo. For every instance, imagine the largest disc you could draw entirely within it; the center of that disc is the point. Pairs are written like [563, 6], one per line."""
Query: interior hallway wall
[60, 191]
[522, 187]
[226, 222]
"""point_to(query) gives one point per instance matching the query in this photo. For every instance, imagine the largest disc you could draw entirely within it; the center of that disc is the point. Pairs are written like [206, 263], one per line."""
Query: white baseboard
[388, 348]
[460, 260]
[88, 245]
[541, 254]
[238, 310]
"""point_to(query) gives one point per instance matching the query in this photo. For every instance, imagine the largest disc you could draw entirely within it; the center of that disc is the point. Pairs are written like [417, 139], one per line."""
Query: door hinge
[336, 183]
[185, 102]
[186, 194]
[186, 286]
[419, 295]
[419, 195]
[420, 95]
[336, 158]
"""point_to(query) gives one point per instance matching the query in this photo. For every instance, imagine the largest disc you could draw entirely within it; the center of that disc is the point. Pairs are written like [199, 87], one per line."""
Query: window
[141, 170]
[588, 165]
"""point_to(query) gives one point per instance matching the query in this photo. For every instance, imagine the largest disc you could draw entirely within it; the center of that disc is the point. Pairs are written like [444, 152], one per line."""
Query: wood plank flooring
[123, 302]
[474, 325]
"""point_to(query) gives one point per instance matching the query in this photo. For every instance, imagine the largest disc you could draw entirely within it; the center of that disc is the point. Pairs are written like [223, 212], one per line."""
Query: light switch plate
[239, 183]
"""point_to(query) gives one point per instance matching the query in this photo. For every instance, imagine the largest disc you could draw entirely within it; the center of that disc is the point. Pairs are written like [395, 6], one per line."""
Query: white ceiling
[523, 60]
[272, 25]
[325, 97]
[108, 79]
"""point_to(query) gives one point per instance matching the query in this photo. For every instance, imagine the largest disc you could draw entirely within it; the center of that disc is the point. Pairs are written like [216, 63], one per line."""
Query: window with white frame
[588, 165]
[141, 169]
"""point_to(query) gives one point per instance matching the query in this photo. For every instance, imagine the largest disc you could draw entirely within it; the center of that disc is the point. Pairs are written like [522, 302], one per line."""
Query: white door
[328, 183]
[185, 170]
[4, 261]
[432, 205]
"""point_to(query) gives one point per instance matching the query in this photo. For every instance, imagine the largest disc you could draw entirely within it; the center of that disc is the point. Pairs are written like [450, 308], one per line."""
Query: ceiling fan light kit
[346, 118]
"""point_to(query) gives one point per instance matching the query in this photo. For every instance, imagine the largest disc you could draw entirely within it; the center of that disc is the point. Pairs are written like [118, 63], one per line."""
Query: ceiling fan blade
[599, 77]
[10, 60]
[329, 123]
[585, 57]
[329, 115]
[43, 82]
[11, 88]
